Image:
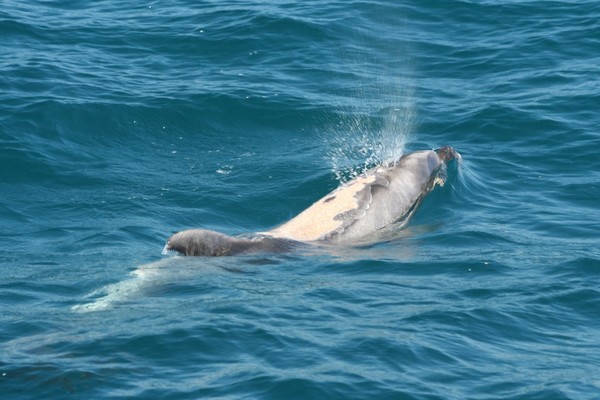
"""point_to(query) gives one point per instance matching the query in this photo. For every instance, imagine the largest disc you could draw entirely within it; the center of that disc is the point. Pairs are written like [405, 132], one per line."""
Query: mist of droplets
[357, 141]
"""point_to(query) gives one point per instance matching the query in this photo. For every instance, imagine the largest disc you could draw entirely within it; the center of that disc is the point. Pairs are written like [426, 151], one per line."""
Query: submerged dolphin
[378, 198]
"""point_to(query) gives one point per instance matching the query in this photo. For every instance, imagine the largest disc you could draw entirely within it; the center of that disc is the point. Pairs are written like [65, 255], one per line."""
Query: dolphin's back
[374, 200]
[409, 180]
[331, 214]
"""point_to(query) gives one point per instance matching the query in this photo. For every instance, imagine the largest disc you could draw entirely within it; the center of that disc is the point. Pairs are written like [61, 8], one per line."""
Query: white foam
[118, 292]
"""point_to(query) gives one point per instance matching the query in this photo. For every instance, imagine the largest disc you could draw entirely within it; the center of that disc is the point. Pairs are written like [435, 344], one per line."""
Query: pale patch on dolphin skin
[378, 198]
[330, 214]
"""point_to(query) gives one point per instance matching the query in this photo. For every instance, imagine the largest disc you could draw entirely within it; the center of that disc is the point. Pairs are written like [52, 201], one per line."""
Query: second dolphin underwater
[376, 199]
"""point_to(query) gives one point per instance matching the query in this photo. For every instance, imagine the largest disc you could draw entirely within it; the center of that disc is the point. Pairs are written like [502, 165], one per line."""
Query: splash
[374, 124]
[358, 141]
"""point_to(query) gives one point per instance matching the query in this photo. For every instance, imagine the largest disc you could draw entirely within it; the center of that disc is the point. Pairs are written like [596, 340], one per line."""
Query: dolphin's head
[201, 242]
[447, 153]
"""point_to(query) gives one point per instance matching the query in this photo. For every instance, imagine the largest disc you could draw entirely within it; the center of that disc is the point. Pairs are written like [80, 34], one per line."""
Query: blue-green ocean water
[123, 122]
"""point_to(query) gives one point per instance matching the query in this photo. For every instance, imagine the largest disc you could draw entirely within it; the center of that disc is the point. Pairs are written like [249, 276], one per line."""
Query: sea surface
[122, 122]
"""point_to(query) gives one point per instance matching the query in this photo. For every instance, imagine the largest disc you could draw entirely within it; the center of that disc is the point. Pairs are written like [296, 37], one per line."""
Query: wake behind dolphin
[376, 199]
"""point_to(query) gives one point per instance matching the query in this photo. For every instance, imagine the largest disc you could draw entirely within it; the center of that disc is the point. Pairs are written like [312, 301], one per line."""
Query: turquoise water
[123, 122]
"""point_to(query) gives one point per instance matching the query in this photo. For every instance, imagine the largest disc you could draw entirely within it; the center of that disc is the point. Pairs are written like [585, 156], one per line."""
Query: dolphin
[379, 197]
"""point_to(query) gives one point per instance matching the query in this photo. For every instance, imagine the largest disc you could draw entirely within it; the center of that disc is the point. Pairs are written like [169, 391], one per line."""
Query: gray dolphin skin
[202, 242]
[376, 199]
